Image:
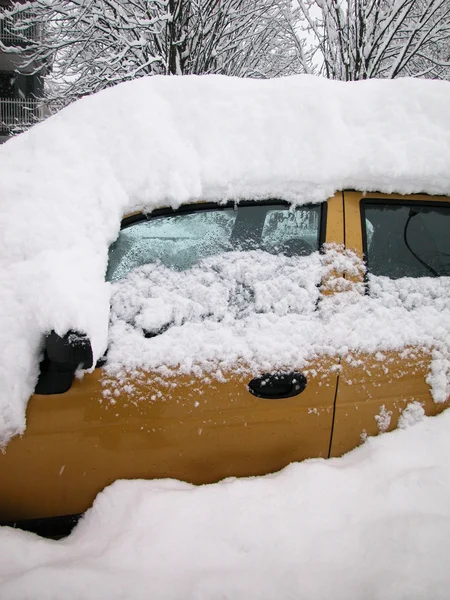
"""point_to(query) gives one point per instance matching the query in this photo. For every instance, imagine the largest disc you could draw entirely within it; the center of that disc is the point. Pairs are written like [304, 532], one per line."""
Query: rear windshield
[179, 241]
[406, 239]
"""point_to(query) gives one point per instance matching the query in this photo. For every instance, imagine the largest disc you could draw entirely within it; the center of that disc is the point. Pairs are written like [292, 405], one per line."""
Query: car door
[375, 387]
[175, 421]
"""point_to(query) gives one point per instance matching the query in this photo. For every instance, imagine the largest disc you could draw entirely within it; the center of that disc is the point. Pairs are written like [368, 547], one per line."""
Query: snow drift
[372, 524]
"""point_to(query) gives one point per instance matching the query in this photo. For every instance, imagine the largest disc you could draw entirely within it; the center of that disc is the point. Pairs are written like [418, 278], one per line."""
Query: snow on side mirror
[62, 357]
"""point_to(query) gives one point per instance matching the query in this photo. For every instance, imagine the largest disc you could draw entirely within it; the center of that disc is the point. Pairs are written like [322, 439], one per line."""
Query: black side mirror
[62, 357]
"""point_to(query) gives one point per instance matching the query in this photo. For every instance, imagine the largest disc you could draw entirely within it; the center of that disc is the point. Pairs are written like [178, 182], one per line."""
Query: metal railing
[19, 113]
[10, 37]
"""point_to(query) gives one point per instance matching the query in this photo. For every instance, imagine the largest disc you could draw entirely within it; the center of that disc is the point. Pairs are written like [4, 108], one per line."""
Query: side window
[179, 241]
[406, 239]
[293, 232]
[369, 233]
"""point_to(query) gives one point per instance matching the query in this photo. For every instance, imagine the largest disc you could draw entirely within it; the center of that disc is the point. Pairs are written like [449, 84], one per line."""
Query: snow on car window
[410, 293]
[179, 241]
[253, 310]
[282, 226]
[182, 240]
[230, 308]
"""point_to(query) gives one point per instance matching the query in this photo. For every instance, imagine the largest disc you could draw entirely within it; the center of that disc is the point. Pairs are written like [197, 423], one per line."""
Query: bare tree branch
[86, 45]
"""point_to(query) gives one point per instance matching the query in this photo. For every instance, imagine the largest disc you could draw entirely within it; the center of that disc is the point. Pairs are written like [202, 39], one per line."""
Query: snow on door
[217, 363]
[396, 325]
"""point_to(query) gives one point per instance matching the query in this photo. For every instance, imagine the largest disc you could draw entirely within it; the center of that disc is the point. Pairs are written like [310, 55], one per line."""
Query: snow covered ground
[373, 525]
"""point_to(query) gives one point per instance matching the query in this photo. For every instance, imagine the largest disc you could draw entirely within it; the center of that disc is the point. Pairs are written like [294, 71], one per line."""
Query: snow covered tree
[358, 39]
[88, 45]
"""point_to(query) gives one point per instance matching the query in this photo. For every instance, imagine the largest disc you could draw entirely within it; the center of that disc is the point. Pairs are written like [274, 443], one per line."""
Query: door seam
[340, 358]
[334, 413]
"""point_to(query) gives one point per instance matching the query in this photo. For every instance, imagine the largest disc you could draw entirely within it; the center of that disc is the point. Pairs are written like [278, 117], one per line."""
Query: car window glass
[407, 240]
[293, 232]
[369, 232]
[180, 241]
[177, 241]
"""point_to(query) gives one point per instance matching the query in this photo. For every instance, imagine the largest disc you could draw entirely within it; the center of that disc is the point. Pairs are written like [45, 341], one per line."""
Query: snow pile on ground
[256, 312]
[65, 184]
[373, 524]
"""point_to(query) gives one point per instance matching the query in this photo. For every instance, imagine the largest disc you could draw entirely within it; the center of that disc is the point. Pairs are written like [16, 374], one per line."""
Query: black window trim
[207, 206]
[391, 202]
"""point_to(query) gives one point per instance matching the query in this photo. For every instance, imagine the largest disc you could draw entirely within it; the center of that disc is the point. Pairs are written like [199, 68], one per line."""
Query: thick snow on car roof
[66, 183]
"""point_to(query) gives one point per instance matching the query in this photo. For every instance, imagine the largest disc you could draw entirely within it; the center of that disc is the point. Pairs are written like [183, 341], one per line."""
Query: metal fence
[11, 37]
[18, 113]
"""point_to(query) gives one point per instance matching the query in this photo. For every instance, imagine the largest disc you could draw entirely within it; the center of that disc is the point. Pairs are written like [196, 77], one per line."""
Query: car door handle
[274, 386]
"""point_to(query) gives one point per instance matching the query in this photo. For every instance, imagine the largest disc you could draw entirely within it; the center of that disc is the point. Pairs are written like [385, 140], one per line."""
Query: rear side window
[406, 239]
[179, 240]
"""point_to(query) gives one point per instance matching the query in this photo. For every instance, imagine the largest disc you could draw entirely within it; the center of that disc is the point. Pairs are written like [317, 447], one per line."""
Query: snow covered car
[84, 434]
[246, 315]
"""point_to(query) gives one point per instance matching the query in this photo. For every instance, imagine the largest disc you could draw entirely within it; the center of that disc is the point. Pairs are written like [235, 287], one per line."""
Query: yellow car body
[75, 443]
